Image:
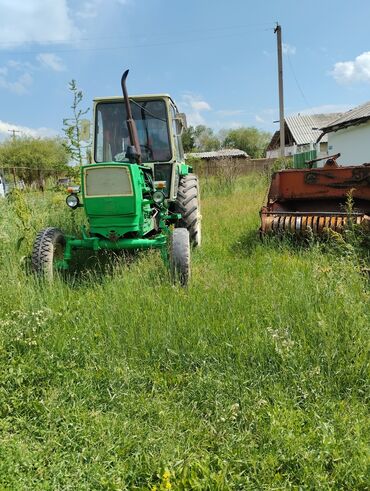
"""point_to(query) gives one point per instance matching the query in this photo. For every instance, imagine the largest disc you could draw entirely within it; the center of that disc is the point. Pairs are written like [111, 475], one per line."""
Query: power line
[297, 83]
[177, 33]
[170, 42]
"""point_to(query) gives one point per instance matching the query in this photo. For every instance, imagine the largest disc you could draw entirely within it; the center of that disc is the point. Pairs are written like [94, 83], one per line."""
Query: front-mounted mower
[137, 193]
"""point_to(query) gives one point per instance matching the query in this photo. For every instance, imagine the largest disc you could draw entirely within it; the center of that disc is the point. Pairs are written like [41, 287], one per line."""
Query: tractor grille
[108, 181]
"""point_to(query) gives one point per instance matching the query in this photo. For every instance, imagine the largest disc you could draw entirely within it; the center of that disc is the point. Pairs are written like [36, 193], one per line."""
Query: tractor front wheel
[48, 248]
[188, 205]
[180, 256]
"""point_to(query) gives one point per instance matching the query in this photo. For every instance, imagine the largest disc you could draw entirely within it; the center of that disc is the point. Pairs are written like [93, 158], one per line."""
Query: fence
[300, 159]
[213, 167]
[32, 178]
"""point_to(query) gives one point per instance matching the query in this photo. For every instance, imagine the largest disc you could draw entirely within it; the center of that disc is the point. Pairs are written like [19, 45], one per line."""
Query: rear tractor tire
[48, 248]
[179, 256]
[188, 205]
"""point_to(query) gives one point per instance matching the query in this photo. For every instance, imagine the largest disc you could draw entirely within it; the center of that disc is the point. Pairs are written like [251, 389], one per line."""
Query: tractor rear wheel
[188, 204]
[48, 248]
[179, 256]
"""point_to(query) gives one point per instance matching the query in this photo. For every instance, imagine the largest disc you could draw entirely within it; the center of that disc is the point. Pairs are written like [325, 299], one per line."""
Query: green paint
[115, 211]
[184, 169]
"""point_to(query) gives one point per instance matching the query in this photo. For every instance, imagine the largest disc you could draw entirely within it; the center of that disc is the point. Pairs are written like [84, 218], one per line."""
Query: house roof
[299, 129]
[302, 126]
[357, 115]
[219, 154]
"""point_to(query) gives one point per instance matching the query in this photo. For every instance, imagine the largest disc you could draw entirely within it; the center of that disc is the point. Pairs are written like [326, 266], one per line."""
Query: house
[301, 134]
[349, 135]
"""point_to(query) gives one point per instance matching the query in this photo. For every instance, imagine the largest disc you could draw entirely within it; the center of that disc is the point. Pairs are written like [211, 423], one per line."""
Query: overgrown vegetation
[33, 158]
[73, 126]
[203, 139]
[256, 377]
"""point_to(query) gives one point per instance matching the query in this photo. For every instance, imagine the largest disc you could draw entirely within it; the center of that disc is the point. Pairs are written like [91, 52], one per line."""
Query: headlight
[158, 197]
[72, 201]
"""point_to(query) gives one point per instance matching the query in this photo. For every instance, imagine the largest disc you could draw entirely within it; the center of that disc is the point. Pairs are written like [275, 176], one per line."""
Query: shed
[226, 153]
[228, 159]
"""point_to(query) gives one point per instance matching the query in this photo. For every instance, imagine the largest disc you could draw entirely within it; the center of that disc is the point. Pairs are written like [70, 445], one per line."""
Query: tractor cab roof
[138, 97]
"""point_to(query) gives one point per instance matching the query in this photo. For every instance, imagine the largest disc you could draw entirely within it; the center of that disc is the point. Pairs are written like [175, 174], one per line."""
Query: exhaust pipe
[134, 151]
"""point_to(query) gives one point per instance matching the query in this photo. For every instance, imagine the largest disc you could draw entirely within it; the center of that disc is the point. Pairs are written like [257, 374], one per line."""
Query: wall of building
[352, 143]
[294, 149]
[275, 153]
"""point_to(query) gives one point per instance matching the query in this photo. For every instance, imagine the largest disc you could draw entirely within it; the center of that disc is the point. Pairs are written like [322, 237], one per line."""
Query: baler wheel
[179, 256]
[47, 249]
[188, 204]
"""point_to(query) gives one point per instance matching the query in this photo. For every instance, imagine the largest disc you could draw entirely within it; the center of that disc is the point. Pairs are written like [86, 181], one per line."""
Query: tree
[205, 139]
[72, 126]
[33, 158]
[251, 140]
[188, 139]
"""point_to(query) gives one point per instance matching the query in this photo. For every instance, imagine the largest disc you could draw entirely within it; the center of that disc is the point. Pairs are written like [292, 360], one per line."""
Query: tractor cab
[159, 126]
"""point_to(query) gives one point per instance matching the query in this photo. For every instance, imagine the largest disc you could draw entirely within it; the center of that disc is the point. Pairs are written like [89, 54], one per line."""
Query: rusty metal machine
[313, 200]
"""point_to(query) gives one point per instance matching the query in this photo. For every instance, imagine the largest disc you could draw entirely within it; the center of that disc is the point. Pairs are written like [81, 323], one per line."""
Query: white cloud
[35, 21]
[89, 9]
[193, 106]
[19, 85]
[17, 77]
[358, 70]
[288, 49]
[6, 128]
[50, 60]
[200, 105]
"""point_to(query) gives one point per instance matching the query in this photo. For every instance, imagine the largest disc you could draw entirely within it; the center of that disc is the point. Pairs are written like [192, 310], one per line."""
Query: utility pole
[13, 132]
[281, 89]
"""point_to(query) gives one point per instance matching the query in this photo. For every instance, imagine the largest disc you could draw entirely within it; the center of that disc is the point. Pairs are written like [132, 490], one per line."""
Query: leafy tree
[72, 126]
[251, 140]
[205, 139]
[188, 139]
[33, 158]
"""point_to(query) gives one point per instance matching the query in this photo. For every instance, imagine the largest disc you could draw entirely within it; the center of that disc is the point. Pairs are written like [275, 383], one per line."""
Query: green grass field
[256, 377]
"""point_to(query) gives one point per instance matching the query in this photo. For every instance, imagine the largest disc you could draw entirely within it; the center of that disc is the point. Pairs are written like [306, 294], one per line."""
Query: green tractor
[137, 193]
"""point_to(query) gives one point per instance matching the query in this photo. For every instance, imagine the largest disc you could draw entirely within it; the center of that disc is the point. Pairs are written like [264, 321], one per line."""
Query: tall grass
[255, 377]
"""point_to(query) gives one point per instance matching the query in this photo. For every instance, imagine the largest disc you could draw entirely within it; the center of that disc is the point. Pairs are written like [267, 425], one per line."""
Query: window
[108, 181]
[112, 138]
[177, 135]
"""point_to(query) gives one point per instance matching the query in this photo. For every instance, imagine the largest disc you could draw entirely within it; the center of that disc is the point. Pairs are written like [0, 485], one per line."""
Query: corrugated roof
[356, 115]
[301, 126]
[218, 154]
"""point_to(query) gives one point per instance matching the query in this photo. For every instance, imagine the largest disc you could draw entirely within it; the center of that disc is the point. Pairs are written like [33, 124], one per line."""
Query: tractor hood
[112, 195]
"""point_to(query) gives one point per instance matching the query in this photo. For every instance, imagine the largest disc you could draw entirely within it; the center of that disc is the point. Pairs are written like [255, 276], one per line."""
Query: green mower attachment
[137, 194]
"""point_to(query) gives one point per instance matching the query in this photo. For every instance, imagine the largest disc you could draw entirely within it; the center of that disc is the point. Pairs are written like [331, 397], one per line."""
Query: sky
[216, 58]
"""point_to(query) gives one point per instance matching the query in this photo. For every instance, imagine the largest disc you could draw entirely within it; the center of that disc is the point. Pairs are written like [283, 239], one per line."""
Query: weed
[255, 377]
